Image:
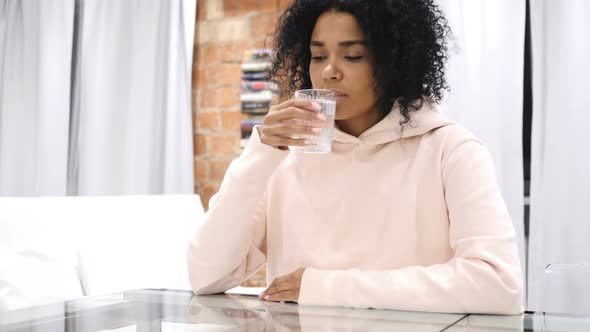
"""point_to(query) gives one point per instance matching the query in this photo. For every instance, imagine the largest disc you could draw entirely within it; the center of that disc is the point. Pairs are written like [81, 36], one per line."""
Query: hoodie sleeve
[484, 276]
[229, 245]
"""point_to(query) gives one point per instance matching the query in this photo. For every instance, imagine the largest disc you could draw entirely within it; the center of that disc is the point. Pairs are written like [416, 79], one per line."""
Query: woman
[404, 213]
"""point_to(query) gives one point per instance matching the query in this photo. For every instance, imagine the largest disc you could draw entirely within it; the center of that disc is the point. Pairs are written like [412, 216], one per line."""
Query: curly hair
[407, 40]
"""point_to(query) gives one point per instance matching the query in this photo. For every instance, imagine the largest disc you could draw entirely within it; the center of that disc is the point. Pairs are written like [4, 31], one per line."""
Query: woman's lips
[340, 95]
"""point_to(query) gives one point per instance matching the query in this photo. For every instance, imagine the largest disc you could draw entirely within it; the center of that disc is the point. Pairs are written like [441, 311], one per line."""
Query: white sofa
[60, 248]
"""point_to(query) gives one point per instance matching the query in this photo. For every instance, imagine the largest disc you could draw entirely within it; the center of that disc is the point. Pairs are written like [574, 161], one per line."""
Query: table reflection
[181, 311]
[247, 314]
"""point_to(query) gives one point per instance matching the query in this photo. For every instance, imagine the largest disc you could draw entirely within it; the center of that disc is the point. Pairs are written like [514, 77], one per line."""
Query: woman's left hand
[285, 288]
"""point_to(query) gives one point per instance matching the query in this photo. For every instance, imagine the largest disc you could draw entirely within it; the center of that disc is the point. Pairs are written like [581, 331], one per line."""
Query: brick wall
[225, 29]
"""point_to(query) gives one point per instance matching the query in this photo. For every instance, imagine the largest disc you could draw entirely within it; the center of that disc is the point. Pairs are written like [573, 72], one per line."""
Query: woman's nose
[331, 72]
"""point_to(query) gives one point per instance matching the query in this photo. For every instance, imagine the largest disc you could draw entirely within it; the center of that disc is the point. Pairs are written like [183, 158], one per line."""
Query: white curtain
[35, 66]
[560, 166]
[134, 131]
[485, 73]
[96, 97]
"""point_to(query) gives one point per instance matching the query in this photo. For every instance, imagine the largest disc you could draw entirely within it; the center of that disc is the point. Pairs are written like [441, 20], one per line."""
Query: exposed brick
[201, 78]
[207, 31]
[201, 10]
[207, 192]
[249, 6]
[228, 96]
[195, 105]
[223, 145]
[232, 29]
[207, 98]
[225, 29]
[267, 6]
[195, 77]
[263, 25]
[195, 126]
[232, 7]
[196, 55]
[199, 144]
[210, 54]
[228, 73]
[264, 42]
[197, 95]
[218, 169]
[229, 29]
[205, 77]
[233, 52]
[208, 120]
[210, 77]
[283, 4]
[201, 170]
[214, 9]
[197, 189]
[230, 120]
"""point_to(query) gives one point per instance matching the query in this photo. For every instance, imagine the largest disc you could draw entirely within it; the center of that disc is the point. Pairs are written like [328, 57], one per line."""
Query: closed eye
[318, 58]
[354, 58]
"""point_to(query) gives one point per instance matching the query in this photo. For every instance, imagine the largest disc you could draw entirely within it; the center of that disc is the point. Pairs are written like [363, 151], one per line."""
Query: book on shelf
[261, 55]
[259, 96]
[254, 108]
[253, 105]
[261, 76]
[255, 67]
[257, 92]
[256, 86]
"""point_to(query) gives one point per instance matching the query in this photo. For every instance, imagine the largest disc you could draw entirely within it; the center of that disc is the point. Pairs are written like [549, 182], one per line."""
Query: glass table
[153, 310]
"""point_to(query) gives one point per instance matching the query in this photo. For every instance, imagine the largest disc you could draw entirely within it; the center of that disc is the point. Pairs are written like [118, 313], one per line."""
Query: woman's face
[340, 61]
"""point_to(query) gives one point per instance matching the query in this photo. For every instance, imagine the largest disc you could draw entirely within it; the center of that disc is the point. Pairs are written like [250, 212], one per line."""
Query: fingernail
[322, 117]
[267, 297]
[307, 142]
[317, 106]
[316, 130]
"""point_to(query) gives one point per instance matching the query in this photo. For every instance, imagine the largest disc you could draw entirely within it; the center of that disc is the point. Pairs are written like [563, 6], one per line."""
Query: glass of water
[327, 100]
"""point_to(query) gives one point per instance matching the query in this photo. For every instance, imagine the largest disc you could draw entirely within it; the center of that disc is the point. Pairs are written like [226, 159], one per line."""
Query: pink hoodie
[416, 223]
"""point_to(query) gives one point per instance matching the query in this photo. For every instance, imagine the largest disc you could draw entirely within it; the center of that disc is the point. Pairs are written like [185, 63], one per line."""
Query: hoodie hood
[389, 130]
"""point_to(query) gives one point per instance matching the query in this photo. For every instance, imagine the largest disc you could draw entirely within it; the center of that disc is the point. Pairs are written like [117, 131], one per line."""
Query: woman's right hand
[291, 123]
